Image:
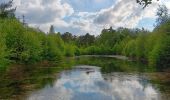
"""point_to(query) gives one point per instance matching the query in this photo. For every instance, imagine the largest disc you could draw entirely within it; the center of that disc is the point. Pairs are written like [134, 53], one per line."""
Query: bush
[130, 49]
[3, 52]
[140, 47]
[69, 50]
[53, 50]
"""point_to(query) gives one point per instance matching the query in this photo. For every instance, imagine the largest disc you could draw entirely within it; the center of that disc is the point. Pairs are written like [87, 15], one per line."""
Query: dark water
[86, 78]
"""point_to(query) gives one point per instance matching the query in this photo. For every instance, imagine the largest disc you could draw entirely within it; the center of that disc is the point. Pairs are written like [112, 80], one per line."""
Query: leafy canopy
[7, 10]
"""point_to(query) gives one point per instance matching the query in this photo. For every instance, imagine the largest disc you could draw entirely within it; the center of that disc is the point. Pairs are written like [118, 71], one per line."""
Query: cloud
[44, 12]
[42, 8]
[66, 16]
[125, 13]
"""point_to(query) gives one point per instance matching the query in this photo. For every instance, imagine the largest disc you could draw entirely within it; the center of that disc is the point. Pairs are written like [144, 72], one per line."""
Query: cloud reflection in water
[90, 84]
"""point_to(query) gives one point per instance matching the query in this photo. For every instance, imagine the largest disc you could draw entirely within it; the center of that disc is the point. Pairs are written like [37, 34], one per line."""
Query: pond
[86, 78]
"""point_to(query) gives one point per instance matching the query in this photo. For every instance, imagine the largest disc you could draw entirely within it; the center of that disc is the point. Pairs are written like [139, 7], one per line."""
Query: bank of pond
[82, 78]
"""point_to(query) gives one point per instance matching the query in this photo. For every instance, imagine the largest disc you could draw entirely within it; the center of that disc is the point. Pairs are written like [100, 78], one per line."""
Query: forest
[22, 44]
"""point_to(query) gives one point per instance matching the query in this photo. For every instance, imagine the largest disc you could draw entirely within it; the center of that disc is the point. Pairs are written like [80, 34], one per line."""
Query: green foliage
[6, 10]
[11, 29]
[140, 46]
[160, 54]
[152, 47]
[85, 40]
[76, 51]
[91, 50]
[53, 47]
[162, 15]
[118, 47]
[32, 47]
[67, 37]
[69, 50]
[107, 37]
[23, 44]
[129, 49]
[3, 52]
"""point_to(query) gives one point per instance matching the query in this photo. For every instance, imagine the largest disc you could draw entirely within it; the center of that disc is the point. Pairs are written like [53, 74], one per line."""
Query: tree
[86, 40]
[108, 37]
[32, 47]
[53, 47]
[144, 3]
[22, 44]
[51, 31]
[6, 10]
[67, 37]
[162, 15]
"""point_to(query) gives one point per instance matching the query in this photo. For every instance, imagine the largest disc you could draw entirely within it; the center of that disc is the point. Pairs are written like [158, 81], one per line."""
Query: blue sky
[90, 5]
[147, 23]
[82, 16]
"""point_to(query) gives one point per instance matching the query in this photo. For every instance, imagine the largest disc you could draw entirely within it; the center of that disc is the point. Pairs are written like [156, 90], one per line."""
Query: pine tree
[51, 31]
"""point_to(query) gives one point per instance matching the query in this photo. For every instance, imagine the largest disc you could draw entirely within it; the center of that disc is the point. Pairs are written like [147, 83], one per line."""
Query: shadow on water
[108, 64]
[78, 79]
[18, 80]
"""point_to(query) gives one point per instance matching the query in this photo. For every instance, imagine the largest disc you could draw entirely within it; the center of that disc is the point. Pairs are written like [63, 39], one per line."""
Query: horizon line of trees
[139, 44]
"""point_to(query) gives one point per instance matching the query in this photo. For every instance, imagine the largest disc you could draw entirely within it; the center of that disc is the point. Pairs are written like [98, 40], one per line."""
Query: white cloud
[44, 12]
[123, 13]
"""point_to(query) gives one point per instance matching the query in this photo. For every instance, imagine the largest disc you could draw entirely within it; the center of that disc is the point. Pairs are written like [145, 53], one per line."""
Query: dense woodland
[22, 44]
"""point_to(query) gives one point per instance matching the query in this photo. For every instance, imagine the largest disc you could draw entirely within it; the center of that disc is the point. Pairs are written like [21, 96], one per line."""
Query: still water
[93, 78]
[88, 83]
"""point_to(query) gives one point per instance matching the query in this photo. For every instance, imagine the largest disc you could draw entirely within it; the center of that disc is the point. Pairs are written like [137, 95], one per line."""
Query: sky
[86, 16]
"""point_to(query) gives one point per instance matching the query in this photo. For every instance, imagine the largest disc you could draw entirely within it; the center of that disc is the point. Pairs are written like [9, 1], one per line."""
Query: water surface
[88, 83]
[85, 78]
